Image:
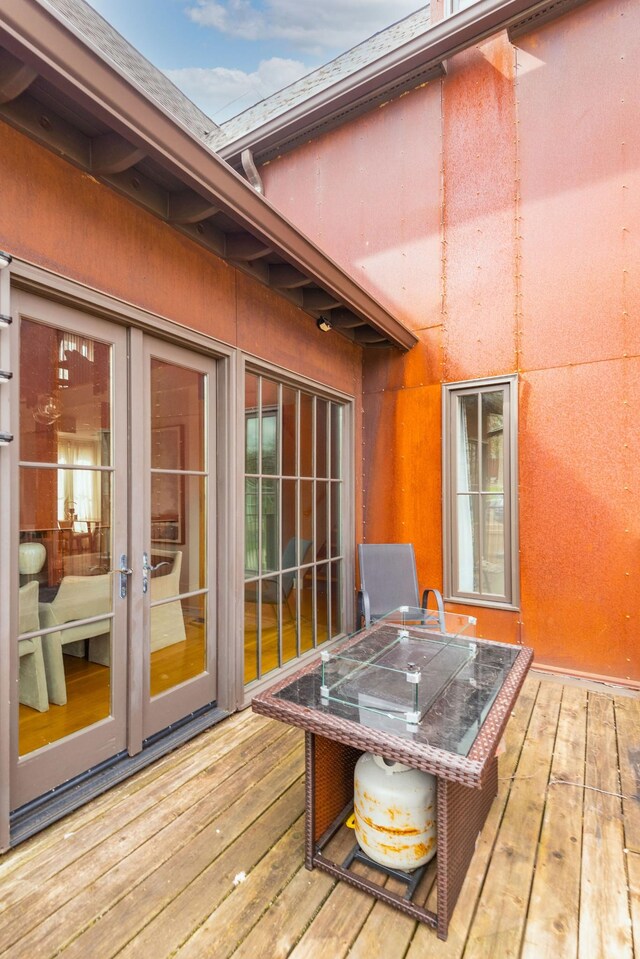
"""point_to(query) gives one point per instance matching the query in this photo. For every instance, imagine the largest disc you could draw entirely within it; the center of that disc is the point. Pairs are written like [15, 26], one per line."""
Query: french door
[115, 630]
[173, 541]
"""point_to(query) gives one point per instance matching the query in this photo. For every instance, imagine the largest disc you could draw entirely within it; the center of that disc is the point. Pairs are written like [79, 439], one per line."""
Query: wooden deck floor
[201, 855]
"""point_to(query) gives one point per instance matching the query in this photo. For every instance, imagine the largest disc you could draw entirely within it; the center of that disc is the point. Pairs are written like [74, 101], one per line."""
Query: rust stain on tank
[418, 850]
[389, 830]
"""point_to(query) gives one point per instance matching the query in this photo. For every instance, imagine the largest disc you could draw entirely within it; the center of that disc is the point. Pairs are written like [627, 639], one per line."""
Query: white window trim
[512, 570]
[449, 5]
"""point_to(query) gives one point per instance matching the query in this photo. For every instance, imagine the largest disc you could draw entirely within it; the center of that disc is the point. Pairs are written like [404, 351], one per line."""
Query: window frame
[510, 600]
[452, 7]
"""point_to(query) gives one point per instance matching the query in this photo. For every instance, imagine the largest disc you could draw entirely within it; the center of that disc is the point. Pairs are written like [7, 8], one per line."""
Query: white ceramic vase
[31, 557]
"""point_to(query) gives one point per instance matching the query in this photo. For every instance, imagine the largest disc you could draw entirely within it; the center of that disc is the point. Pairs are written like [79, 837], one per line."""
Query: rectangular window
[293, 518]
[480, 491]
[455, 6]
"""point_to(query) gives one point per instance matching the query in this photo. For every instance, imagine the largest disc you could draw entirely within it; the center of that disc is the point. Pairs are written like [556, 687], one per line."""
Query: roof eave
[38, 37]
[406, 67]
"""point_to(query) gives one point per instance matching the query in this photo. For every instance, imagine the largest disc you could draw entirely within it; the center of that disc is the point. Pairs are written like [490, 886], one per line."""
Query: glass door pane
[177, 552]
[293, 519]
[178, 526]
[64, 555]
[71, 631]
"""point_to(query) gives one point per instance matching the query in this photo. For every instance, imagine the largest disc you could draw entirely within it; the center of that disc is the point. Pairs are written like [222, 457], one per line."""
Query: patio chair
[270, 586]
[388, 580]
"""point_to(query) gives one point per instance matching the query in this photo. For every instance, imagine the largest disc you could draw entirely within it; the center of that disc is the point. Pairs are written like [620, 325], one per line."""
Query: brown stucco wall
[64, 220]
[497, 213]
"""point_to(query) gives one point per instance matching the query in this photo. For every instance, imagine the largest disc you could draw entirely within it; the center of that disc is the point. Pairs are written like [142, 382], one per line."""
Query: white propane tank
[395, 812]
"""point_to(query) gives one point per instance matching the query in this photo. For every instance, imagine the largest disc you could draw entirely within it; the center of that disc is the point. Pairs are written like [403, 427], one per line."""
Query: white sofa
[32, 683]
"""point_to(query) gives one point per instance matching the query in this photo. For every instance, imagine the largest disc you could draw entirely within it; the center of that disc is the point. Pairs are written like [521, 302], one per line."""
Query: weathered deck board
[286, 917]
[627, 714]
[424, 944]
[552, 922]
[69, 899]
[246, 900]
[605, 921]
[66, 845]
[148, 869]
[498, 927]
[132, 903]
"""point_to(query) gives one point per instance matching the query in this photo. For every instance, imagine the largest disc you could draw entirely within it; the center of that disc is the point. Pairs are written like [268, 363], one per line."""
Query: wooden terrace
[202, 854]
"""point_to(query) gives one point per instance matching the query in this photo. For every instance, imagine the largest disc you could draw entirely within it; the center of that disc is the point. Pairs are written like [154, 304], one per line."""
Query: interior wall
[497, 213]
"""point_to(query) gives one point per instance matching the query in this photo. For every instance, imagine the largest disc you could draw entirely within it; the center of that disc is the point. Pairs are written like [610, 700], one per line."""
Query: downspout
[251, 171]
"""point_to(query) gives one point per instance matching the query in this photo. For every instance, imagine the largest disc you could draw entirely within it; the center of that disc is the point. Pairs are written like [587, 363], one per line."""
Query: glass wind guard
[416, 674]
[401, 678]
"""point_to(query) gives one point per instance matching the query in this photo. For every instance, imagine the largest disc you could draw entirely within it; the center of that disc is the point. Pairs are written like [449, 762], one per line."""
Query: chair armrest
[48, 615]
[439, 603]
[363, 609]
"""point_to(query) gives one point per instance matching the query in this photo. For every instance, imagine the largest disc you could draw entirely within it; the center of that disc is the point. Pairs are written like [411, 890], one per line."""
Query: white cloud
[308, 27]
[223, 93]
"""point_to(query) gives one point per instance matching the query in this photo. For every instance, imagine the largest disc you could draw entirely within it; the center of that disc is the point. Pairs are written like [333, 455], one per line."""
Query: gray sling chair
[270, 591]
[388, 580]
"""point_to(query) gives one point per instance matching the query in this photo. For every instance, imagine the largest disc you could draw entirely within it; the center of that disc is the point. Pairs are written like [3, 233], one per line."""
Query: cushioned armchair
[33, 681]
[167, 621]
[78, 597]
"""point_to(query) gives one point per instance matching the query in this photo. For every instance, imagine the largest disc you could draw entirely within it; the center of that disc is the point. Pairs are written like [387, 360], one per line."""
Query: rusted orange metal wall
[497, 213]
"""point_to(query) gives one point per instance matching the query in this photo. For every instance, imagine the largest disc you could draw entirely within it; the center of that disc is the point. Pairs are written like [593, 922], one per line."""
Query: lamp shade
[31, 557]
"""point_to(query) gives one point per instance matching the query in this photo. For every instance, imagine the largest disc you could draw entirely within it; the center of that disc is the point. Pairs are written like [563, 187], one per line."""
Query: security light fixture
[5, 320]
[324, 324]
[5, 375]
[5, 259]
[6, 438]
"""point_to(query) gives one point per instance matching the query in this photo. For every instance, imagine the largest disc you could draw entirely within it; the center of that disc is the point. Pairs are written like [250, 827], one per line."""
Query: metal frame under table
[466, 785]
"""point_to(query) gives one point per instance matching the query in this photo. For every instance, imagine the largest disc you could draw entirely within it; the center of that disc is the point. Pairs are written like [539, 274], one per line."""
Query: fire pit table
[416, 688]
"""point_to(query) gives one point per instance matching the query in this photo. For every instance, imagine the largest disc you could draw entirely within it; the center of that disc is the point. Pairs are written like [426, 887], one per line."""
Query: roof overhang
[63, 92]
[408, 66]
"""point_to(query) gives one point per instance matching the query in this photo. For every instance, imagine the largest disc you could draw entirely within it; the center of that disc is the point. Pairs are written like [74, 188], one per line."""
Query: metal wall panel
[538, 218]
[479, 276]
[369, 194]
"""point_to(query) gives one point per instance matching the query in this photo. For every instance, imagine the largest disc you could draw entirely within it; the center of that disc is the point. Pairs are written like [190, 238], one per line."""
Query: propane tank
[395, 812]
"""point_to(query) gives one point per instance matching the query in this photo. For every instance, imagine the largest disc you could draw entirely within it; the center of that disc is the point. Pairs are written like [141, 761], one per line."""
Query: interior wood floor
[201, 855]
[269, 653]
[88, 691]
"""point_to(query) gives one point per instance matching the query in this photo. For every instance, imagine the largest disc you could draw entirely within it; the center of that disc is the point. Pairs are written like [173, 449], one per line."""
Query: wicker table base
[469, 690]
[462, 811]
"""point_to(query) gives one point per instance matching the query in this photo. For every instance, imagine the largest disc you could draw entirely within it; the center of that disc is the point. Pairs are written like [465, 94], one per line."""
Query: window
[455, 6]
[293, 517]
[480, 484]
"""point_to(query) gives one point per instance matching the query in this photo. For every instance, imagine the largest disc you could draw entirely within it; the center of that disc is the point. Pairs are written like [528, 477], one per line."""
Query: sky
[226, 55]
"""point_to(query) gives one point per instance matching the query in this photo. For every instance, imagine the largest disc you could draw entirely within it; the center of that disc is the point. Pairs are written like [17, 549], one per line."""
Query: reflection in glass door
[294, 488]
[72, 621]
[178, 548]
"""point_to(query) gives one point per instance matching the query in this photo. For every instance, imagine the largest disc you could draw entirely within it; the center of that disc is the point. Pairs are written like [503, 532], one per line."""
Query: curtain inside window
[465, 483]
[78, 489]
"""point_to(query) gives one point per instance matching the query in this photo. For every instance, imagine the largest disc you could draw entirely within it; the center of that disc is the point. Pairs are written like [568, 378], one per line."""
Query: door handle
[148, 568]
[123, 570]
